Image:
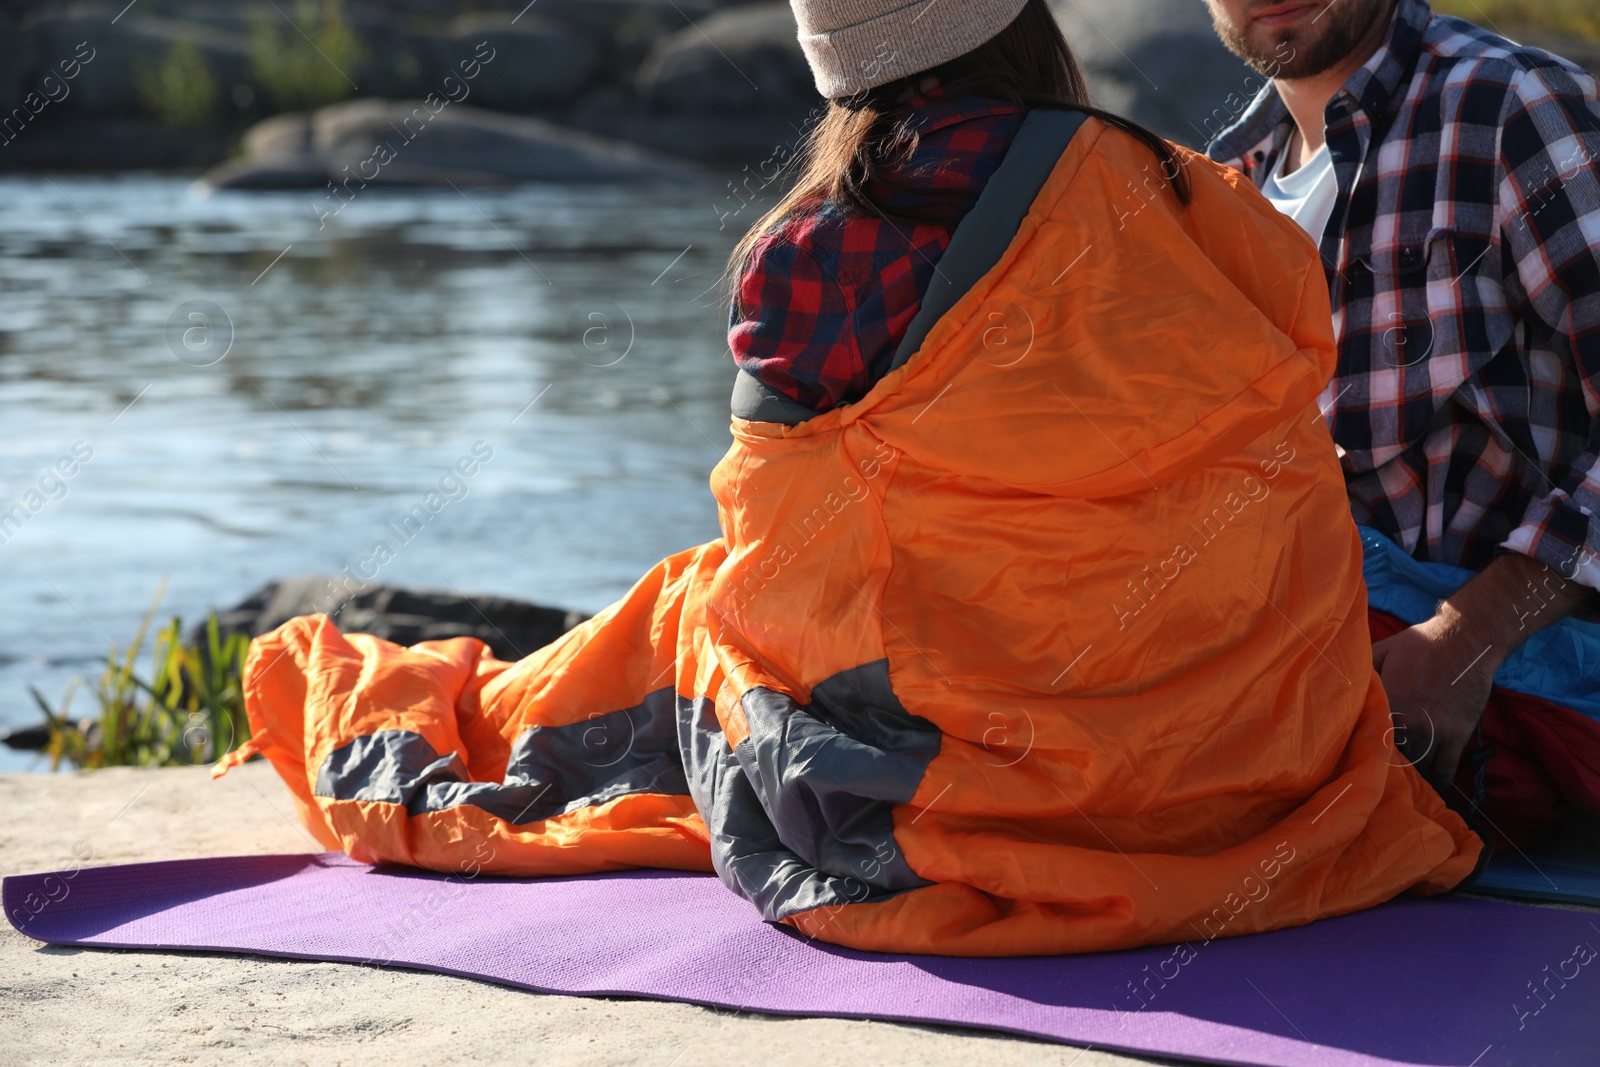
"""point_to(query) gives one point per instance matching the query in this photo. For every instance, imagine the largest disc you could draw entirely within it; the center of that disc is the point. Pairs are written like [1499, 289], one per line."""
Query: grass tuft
[189, 710]
[180, 89]
[308, 61]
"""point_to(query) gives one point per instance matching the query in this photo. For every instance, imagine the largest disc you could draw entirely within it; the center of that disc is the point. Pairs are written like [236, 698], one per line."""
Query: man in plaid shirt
[1451, 180]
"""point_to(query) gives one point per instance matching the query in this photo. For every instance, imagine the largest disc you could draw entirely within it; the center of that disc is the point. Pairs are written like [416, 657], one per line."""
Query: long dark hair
[859, 140]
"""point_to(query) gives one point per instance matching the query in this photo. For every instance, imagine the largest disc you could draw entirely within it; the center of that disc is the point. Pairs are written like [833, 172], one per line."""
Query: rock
[536, 61]
[264, 175]
[68, 141]
[94, 74]
[27, 738]
[732, 87]
[1158, 62]
[105, 85]
[546, 59]
[758, 142]
[18, 63]
[277, 155]
[512, 628]
[409, 142]
[280, 136]
[744, 60]
[114, 56]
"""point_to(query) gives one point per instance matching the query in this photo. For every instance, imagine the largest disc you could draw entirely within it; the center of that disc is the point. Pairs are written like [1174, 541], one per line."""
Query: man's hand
[1438, 673]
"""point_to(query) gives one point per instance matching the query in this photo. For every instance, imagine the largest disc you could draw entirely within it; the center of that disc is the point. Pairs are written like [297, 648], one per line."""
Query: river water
[219, 390]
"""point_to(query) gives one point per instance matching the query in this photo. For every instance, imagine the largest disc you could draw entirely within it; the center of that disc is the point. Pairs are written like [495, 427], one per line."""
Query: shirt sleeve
[1549, 222]
[791, 324]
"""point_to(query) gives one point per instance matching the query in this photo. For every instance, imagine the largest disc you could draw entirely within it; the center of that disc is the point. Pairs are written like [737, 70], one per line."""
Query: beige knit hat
[854, 45]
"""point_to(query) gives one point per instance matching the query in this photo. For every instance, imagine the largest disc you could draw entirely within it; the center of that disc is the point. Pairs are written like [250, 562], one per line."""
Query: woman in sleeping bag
[1037, 621]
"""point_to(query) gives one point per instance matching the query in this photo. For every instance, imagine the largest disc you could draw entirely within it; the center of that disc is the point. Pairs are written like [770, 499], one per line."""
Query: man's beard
[1304, 51]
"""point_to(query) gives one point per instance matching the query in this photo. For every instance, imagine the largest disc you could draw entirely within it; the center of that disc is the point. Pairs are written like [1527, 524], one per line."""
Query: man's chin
[1275, 53]
[1287, 54]
[1307, 48]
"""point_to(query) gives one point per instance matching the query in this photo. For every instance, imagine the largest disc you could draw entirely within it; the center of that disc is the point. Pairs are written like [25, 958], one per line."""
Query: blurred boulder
[117, 59]
[278, 154]
[757, 142]
[105, 83]
[536, 61]
[733, 86]
[511, 628]
[280, 137]
[18, 62]
[407, 142]
[743, 60]
[65, 141]
[562, 58]
[109, 98]
[34, 738]
[1160, 63]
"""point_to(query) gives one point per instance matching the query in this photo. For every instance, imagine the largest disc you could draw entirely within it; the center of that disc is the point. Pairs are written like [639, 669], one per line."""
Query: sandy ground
[97, 1006]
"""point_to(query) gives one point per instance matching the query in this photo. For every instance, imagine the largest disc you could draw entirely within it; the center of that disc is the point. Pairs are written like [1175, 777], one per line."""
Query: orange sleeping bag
[1055, 651]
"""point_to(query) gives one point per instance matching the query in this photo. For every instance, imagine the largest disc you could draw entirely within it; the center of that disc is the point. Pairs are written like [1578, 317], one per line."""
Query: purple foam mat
[1452, 981]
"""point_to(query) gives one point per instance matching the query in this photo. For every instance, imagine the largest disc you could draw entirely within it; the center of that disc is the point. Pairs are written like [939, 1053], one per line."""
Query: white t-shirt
[1306, 195]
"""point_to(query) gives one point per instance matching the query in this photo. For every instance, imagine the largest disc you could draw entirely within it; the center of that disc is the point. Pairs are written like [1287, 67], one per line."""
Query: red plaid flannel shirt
[825, 298]
[1463, 259]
